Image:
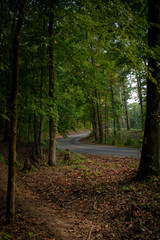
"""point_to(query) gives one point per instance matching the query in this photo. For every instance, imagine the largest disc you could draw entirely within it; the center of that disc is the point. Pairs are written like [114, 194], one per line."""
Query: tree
[150, 158]
[52, 122]
[10, 215]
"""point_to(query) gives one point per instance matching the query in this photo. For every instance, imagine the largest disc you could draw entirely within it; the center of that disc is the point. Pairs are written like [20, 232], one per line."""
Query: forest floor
[87, 197]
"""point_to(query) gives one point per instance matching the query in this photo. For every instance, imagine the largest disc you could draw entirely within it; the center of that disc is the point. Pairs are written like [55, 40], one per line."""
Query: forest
[71, 66]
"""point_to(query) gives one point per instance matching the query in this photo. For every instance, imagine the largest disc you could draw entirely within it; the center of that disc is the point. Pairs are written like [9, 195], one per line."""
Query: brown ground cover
[90, 198]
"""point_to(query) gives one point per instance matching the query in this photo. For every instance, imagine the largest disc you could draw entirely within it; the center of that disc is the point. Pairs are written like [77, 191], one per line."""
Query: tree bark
[29, 127]
[99, 115]
[150, 158]
[114, 112]
[1, 126]
[35, 135]
[10, 214]
[106, 120]
[9, 79]
[94, 122]
[41, 98]
[52, 124]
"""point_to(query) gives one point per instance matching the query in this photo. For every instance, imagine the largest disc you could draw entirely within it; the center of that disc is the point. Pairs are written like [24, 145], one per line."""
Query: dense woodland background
[99, 59]
[68, 65]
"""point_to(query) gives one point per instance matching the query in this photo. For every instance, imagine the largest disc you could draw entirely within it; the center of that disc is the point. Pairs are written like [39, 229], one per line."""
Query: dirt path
[34, 215]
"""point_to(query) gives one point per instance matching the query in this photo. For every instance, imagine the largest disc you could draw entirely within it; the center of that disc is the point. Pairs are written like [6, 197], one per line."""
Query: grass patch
[2, 158]
[66, 158]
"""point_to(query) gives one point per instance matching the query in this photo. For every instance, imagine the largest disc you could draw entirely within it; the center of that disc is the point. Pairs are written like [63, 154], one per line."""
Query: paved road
[73, 144]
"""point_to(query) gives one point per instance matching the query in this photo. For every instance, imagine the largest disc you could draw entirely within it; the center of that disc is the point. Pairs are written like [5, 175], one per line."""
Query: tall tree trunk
[99, 115]
[150, 158]
[94, 122]
[114, 112]
[41, 133]
[106, 120]
[35, 135]
[1, 126]
[52, 125]
[10, 214]
[9, 78]
[126, 105]
[29, 127]
[122, 115]
[42, 96]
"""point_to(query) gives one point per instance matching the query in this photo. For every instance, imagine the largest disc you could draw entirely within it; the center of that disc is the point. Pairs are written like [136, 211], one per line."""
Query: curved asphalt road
[72, 143]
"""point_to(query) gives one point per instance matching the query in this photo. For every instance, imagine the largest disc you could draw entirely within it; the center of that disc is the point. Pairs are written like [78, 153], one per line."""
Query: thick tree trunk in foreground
[10, 214]
[52, 125]
[150, 158]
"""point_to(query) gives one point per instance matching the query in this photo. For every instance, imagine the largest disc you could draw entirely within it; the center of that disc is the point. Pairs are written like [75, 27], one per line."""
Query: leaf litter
[92, 198]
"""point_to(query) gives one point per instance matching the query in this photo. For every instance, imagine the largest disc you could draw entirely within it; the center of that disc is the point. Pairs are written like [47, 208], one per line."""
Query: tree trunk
[35, 135]
[41, 134]
[114, 112]
[106, 120]
[126, 105]
[9, 79]
[94, 122]
[10, 214]
[42, 115]
[52, 125]
[1, 126]
[122, 116]
[99, 115]
[150, 158]
[41, 97]
[29, 128]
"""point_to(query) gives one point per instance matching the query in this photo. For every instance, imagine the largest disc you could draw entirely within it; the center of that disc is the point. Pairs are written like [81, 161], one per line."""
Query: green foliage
[135, 116]
[5, 236]
[96, 44]
[132, 138]
[4, 116]
[129, 188]
[31, 235]
[129, 141]
[70, 158]
[2, 158]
